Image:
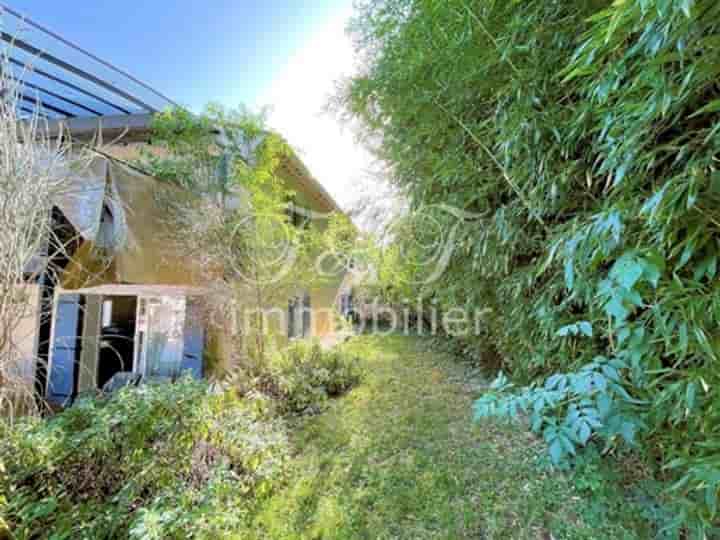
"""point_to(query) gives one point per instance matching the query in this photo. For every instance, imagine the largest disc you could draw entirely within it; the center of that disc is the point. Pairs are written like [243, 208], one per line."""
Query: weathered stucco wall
[23, 357]
[149, 257]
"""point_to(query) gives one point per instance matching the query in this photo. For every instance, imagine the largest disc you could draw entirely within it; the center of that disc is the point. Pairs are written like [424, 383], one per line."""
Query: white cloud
[298, 96]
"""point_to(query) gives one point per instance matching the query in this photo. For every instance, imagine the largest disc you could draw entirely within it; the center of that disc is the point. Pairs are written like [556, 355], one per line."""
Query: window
[299, 316]
[298, 216]
[306, 316]
[163, 338]
[107, 313]
[292, 307]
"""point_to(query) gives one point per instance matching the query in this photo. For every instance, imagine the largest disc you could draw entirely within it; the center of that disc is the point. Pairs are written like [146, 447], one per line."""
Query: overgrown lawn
[400, 457]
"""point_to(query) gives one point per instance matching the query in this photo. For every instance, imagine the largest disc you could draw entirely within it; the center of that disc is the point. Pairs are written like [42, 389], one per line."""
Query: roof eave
[105, 127]
[134, 127]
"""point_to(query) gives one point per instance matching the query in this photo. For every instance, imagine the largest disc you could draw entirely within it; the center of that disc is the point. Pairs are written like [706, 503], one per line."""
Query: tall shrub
[35, 170]
[237, 221]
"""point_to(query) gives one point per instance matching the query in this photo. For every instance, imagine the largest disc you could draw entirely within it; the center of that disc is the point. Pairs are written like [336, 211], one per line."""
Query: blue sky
[192, 50]
[286, 54]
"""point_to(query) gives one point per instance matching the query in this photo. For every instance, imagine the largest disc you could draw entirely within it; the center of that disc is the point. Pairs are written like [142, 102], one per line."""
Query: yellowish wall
[150, 256]
[25, 337]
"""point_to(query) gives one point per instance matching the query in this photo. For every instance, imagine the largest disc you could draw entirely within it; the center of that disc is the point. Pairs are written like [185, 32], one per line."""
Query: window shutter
[65, 349]
[194, 339]
[306, 319]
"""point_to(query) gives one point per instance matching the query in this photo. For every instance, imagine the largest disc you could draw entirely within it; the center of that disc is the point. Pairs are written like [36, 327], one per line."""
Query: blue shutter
[291, 319]
[306, 316]
[194, 340]
[61, 382]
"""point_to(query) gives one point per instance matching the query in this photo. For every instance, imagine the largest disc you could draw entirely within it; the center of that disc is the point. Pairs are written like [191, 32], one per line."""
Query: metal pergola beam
[45, 105]
[68, 84]
[35, 52]
[58, 96]
[108, 126]
[30, 111]
[72, 45]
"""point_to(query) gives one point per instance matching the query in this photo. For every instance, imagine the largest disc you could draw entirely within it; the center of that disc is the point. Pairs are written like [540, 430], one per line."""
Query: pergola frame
[62, 88]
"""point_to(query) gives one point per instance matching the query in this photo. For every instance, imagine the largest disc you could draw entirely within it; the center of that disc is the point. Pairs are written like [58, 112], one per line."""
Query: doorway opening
[117, 337]
[125, 334]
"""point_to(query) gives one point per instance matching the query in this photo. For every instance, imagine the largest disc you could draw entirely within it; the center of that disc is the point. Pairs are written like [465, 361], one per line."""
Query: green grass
[400, 457]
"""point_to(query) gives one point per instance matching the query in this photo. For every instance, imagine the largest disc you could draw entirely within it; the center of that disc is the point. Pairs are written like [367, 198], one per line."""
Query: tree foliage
[585, 136]
[234, 221]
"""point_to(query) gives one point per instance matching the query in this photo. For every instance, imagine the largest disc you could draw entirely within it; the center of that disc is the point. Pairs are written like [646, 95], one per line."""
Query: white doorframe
[144, 325]
[141, 326]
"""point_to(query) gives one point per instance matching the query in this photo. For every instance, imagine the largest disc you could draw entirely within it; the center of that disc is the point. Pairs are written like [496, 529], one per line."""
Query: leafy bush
[165, 461]
[571, 409]
[304, 375]
[584, 136]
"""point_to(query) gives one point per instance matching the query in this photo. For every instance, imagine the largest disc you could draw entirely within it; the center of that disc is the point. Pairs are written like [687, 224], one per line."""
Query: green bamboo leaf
[711, 498]
[654, 268]
[585, 328]
[611, 373]
[616, 309]
[685, 5]
[556, 451]
[567, 443]
[600, 382]
[566, 331]
[627, 271]
[686, 255]
[569, 274]
[604, 404]
[702, 339]
[652, 205]
[690, 394]
[683, 337]
[627, 431]
[584, 433]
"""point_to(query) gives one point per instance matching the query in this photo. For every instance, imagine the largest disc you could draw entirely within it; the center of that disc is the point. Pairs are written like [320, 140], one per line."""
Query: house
[120, 304]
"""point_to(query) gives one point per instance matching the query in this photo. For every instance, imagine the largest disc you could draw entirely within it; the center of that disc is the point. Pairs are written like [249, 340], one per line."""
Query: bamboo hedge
[585, 136]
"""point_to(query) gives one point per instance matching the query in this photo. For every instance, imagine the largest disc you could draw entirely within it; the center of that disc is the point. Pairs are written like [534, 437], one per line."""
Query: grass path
[399, 457]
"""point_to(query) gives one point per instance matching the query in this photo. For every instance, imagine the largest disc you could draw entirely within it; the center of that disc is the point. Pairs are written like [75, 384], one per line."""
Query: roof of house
[136, 128]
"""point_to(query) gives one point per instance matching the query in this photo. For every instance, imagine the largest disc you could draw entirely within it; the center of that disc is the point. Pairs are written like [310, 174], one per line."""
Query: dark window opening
[292, 310]
[117, 337]
[297, 217]
[299, 317]
[306, 316]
